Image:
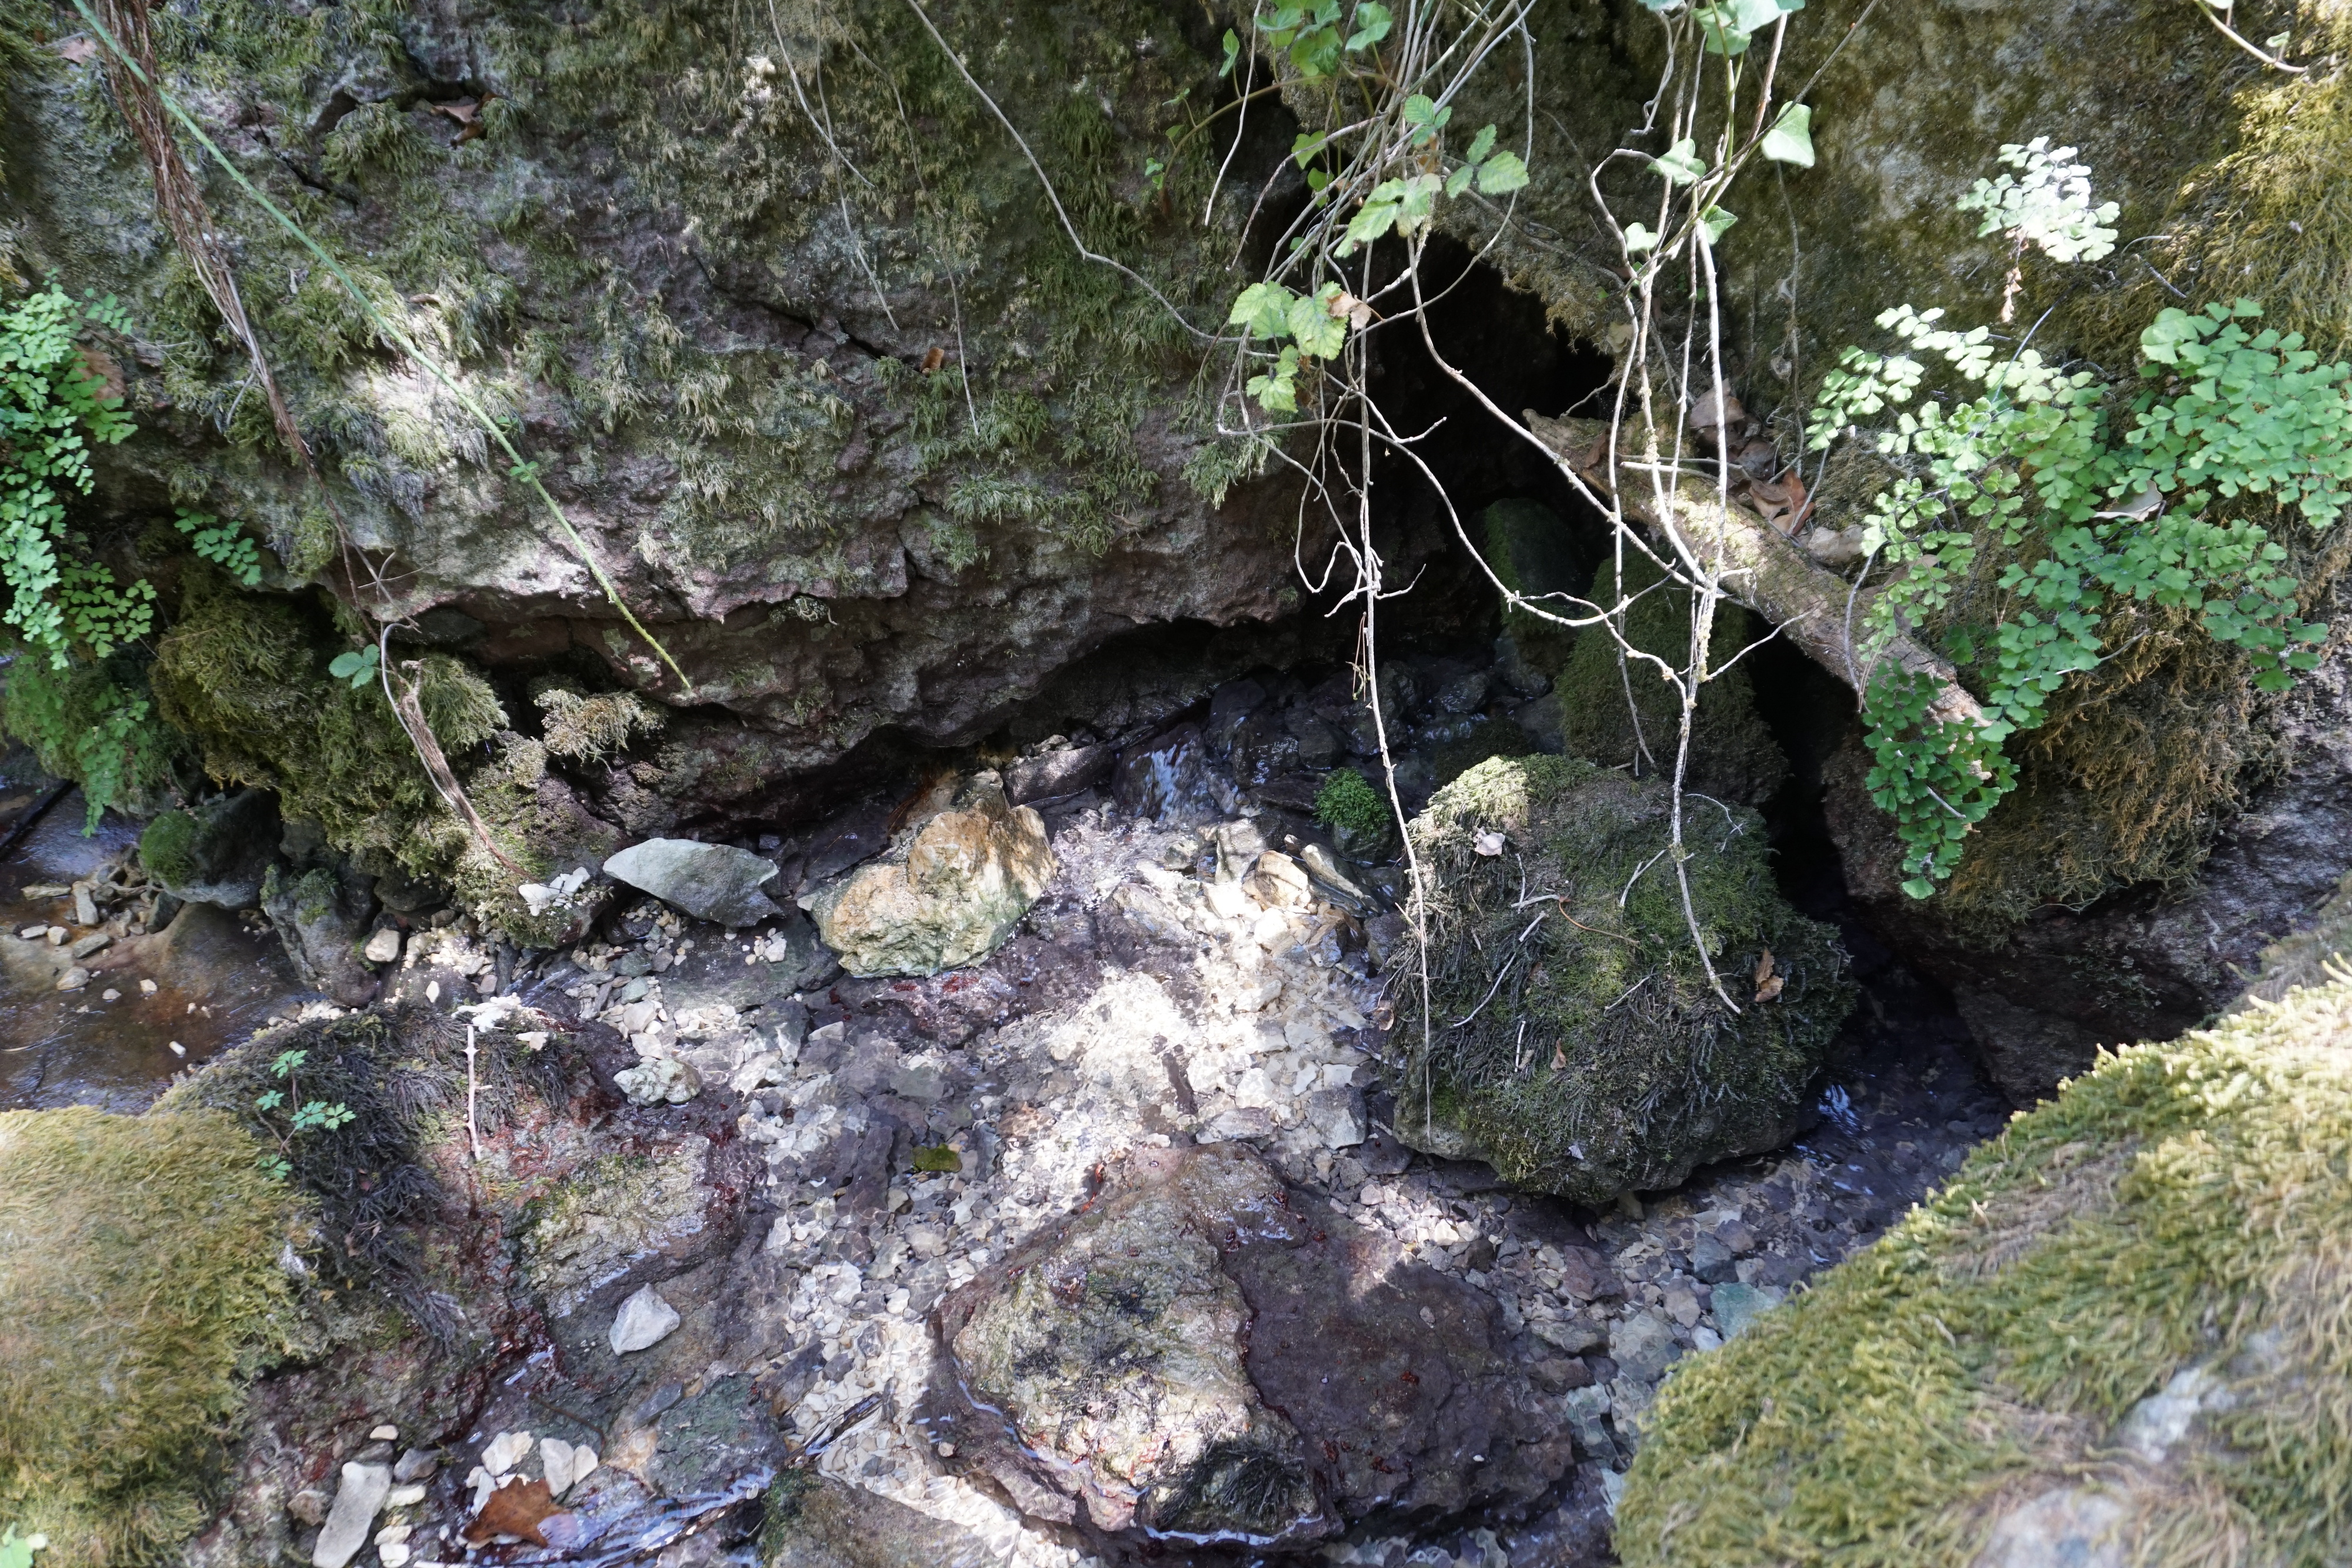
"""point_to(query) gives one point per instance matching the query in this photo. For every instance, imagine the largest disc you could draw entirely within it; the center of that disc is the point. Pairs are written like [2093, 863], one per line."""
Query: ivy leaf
[1233, 53]
[1308, 144]
[1714, 222]
[1373, 25]
[1790, 140]
[1681, 166]
[1502, 174]
[1638, 239]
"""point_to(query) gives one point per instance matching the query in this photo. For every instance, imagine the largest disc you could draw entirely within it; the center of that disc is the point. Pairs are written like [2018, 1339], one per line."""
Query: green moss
[1602, 697]
[140, 1286]
[1346, 802]
[1575, 1041]
[2184, 1205]
[167, 848]
[1529, 548]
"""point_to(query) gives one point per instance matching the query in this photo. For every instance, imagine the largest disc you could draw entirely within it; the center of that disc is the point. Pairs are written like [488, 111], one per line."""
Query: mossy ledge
[140, 1287]
[2175, 1221]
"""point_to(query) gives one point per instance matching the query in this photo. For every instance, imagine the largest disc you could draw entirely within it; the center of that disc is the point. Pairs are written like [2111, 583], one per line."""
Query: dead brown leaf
[1770, 989]
[99, 367]
[517, 1509]
[1783, 501]
[463, 110]
[934, 360]
[81, 48]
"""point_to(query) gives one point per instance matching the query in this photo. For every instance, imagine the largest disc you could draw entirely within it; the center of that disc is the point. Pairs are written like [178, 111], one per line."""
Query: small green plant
[358, 667]
[307, 1116]
[16, 1551]
[1347, 804]
[223, 544]
[2083, 524]
[55, 404]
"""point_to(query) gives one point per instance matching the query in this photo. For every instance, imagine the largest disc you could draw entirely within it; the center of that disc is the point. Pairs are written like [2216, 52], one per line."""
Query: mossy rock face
[140, 1286]
[1619, 710]
[1576, 1042]
[2123, 1317]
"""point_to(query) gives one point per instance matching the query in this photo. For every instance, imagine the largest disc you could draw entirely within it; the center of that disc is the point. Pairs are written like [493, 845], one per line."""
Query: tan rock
[956, 889]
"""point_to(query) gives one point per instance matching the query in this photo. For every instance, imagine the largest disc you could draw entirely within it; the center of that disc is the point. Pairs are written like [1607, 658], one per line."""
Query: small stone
[393, 1554]
[85, 907]
[177, 1048]
[383, 947]
[392, 1534]
[416, 1465]
[658, 1079]
[1682, 1304]
[1712, 1261]
[385, 1435]
[1736, 1306]
[432, 990]
[405, 1497]
[33, 933]
[645, 1319]
[110, 995]
[146, 987]
[73, 979]
[357, 1500]
[1643, 1345]
[57, 934]
[505, 1451]
[95, 941]
[308, 1507]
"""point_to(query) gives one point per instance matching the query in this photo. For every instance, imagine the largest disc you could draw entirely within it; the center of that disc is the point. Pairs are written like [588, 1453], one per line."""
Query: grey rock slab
[217, 852]
[416, 1465]
[644, 1320]
[1065, 772]
[710, 882]
[1712, 1261]
[358, 1500]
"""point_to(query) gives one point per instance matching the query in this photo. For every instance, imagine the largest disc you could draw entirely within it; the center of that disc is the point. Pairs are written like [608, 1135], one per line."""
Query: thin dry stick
[473, 1131]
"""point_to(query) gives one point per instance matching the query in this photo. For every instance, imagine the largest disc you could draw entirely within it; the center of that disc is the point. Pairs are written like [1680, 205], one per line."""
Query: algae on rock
[2130, 1306]
[1574, 1041]
[140, 1287]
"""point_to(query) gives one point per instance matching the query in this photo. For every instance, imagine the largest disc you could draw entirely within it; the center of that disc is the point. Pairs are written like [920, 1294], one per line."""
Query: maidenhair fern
[2091, 499]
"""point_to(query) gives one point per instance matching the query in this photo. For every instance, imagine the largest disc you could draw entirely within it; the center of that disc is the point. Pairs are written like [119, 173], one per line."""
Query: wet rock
[1166, 1360]
[1712, 1262]
[710, 882]
[322, 916]
[383, 947]
[1064, 770]
[217, 852]
[357, 1502]
[644, 1320]
[1170, 779]
[818, 1522]
[959, 888]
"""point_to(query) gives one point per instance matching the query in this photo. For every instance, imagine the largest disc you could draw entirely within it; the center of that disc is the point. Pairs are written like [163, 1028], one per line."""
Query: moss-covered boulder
[140, 1286]
[1575, 1038]
[2123, 1324]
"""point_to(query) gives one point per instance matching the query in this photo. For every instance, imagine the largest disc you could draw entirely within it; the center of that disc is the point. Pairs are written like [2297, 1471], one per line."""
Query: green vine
[2084, 523]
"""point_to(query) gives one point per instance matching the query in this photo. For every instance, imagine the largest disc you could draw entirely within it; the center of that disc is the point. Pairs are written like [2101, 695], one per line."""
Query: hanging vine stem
[523, 472]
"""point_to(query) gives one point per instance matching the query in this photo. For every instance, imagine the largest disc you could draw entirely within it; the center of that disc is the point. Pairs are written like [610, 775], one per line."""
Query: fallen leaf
[1770, 989]
[1559, 1060]
[517, 1509]
[1488, 844]
[1717, 406]
[1783, 501]
[934, 360]
[81, 49]
[1764, 967]
[463, 110]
